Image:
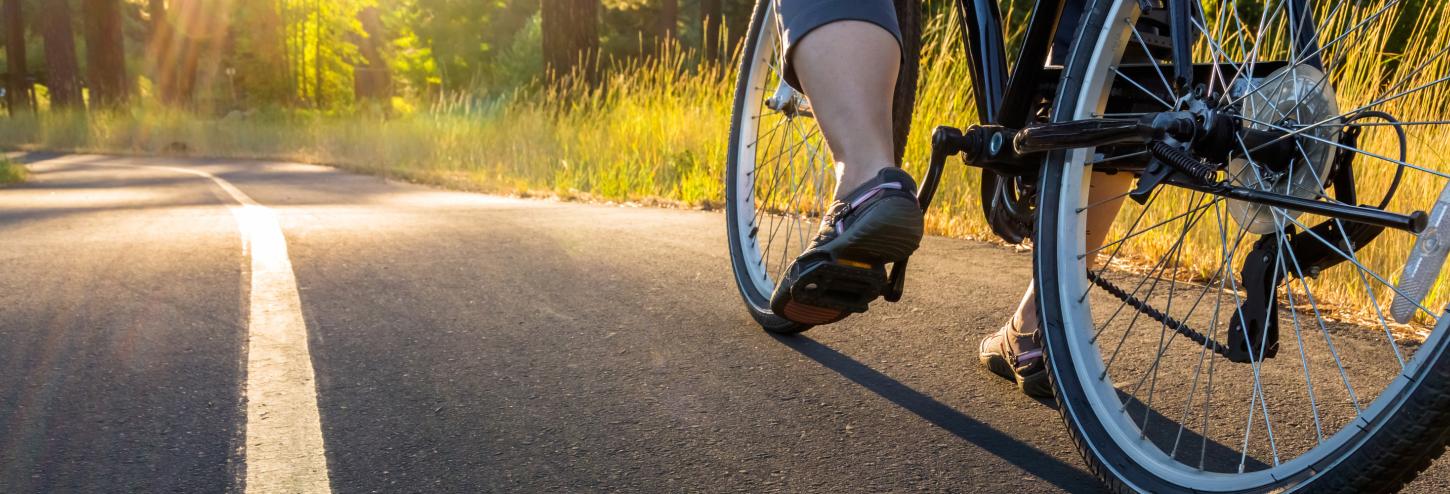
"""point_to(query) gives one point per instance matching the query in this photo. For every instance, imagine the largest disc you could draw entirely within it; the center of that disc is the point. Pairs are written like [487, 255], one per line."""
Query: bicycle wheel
[1211, 345]
[780, 176]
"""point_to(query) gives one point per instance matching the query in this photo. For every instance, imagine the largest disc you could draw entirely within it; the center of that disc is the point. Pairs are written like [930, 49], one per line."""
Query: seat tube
[1180, 13]
[983, 32]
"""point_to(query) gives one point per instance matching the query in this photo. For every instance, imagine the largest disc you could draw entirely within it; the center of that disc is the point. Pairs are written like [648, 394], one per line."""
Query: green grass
[11, 172]
[655, 132]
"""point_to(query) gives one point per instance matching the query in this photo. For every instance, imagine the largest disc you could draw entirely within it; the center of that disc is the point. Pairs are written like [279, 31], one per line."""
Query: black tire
[1382, 455]
[756, 303]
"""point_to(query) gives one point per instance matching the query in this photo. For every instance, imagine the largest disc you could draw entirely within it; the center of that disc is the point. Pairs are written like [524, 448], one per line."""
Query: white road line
[284, 451]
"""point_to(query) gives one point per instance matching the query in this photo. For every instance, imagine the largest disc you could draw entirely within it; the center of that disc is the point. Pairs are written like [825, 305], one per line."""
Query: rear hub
[1287, 99]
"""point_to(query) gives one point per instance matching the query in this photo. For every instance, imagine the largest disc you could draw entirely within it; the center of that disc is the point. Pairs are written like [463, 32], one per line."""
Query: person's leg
[1012, 351]
[845, 55]
[848, 72]
[1099, 222]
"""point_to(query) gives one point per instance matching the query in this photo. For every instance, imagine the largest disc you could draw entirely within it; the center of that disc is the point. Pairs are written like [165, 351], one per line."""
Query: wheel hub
[1286, 99]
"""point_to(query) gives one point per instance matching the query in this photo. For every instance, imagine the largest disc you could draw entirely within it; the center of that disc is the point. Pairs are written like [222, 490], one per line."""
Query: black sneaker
[844, 269]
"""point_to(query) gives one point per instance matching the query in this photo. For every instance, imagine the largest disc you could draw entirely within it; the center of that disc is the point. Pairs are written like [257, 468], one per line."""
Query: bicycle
[1259, 188]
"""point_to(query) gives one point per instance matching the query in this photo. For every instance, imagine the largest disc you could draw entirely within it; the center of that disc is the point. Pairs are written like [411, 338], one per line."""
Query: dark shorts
[800, 17]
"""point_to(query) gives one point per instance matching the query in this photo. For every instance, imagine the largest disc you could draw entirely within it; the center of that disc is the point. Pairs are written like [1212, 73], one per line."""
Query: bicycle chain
[1148, 310]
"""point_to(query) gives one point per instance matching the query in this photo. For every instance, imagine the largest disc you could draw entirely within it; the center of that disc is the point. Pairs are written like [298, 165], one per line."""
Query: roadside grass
[655, 132]
[11, 172]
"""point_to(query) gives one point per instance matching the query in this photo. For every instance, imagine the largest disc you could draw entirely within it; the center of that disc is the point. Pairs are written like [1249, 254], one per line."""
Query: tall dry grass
[657, 130]
[1362, 71]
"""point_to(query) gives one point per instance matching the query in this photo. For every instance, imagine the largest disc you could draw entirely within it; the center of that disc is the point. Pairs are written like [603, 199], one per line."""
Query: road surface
[152, 339]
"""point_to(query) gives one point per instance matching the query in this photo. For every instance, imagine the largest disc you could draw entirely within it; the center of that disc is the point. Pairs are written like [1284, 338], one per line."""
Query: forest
[217, 56]
[214, 56]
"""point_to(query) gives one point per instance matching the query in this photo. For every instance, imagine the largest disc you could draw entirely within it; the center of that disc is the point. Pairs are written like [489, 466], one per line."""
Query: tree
[17, 80]
[62, 70]
[570, 37]
[257, 55]
[105, 53]
[371, 79]
[161, 51]
[668, 21]
[711, 17]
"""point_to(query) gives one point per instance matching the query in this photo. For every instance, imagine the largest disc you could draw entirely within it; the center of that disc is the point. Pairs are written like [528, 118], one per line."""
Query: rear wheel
[780, 176]
[1147, 334]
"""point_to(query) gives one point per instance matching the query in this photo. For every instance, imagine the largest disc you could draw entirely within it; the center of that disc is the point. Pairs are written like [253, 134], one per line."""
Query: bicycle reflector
[1422, 268]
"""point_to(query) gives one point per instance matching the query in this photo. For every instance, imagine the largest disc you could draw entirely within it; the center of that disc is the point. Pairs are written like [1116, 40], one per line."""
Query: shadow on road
[1018, 453]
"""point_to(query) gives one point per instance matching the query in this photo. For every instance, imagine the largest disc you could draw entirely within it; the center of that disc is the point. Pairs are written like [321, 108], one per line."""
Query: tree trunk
[62, 69]
[317, 53]
[161, 51]
[668, 21]
[712, 16]
[571, 37]
[371, 80]
[105, 53]
[176, 44]
[17, 81]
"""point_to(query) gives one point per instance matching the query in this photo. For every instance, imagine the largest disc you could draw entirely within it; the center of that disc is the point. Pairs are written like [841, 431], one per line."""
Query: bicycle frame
[1004, 102]
[1003, 95]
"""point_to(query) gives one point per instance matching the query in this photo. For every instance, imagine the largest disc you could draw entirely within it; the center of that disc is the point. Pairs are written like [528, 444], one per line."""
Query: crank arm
[1012, 152]
[945, 143]
[1103, 132]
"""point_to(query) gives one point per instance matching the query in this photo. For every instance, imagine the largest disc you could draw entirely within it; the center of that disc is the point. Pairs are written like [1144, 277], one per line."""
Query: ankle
[853, 177]
[1020, 326]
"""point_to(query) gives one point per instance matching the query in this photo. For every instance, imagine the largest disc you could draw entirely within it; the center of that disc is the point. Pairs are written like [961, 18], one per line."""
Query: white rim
[765, 46]
[786, 234]
[1079, 326]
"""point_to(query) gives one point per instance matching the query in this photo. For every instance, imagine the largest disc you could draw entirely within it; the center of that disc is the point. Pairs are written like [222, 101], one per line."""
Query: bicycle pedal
[843, 285]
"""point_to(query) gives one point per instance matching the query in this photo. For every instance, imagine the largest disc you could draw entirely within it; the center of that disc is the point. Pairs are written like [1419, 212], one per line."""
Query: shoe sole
[890, 231]
[1035, 385]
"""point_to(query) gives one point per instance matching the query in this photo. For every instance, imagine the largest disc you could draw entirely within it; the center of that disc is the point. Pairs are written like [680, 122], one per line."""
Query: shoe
[844, 268]
[1017, 356]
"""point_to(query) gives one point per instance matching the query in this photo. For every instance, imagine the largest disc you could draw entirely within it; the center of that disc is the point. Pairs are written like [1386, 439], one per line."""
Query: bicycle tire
[1381, 454]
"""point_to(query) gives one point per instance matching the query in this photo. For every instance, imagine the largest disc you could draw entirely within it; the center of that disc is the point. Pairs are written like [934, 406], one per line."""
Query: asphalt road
[467, 343]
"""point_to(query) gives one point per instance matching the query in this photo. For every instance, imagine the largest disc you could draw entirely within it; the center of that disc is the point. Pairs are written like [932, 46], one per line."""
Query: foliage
[10, 171]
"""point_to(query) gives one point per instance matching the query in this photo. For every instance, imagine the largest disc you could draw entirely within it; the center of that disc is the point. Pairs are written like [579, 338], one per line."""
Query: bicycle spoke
[1188, 225]
[1148, 229]
[1329, 340]
[1337, 39]
[1141, 88]
[1299, 338]
[1103, 266]
[1374, 300]
[1116, 158]
[1347, 148]
[1156, 67]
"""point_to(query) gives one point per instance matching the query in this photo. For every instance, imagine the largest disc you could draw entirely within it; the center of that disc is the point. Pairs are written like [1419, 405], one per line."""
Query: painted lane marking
[284, 451]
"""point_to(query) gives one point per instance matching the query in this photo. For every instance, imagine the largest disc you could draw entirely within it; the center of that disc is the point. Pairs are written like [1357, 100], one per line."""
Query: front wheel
[1209, 345]
[780, 177]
